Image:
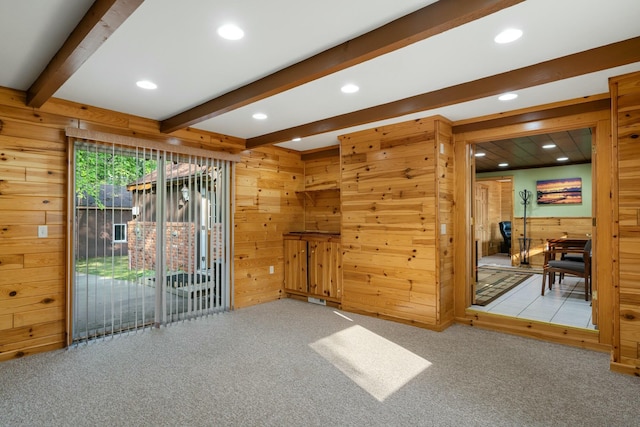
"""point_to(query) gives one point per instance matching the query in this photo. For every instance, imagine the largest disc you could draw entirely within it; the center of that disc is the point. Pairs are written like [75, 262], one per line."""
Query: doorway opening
[509, 242]
[494, 217]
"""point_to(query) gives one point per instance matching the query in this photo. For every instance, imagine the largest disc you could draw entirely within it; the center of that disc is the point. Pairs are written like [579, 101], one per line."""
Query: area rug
[493, 283]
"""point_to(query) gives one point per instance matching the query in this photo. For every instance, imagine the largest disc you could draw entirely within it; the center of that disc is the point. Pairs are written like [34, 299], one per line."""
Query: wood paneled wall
[397, 192]
[539, 229]
[33, 191]
[506, 201]
[322, 211]
[625, 96]
[322, 197]
[322, 173]
[267, 207]
[445, 187]
[32, 270]
[397, 188]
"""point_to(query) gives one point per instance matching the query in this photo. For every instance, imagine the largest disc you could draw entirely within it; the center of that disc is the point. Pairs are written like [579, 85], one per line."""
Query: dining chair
[579, 266]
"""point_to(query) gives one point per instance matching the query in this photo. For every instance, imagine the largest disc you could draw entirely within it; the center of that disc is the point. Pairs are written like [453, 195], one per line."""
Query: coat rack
[525, 243]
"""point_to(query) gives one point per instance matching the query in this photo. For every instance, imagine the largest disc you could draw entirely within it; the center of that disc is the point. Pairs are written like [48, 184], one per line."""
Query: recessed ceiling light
[507, 36]
[349, 88]
[548, 146]
[508, 96]
[146, 84]
[259, 116]
[230, 32]
[480, 154]
[296, 139]
[562, 159]
[503, 165]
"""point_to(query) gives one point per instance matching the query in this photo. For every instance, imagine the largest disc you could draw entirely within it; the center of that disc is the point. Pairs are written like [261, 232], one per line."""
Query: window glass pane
[119, 232]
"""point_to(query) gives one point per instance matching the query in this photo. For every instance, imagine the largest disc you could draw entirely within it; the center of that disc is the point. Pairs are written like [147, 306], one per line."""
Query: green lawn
[116, 267]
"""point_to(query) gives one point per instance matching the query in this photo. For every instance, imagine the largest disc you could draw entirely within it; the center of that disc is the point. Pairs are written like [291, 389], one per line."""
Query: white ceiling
[175, 45]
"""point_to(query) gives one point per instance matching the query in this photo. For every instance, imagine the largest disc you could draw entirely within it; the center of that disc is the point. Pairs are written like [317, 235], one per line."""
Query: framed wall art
[563, 191]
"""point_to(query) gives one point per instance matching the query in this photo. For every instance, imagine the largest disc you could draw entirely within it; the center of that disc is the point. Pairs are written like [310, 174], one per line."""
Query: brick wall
[180, 245]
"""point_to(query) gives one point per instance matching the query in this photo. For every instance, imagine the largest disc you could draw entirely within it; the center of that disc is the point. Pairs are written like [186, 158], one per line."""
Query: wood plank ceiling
[530, 152]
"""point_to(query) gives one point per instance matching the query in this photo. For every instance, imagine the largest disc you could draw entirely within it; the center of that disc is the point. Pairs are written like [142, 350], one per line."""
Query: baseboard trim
[567, 335]
[620, 368]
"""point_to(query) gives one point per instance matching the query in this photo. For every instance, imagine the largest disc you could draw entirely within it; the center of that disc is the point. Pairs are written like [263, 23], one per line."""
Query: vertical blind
[151, 238]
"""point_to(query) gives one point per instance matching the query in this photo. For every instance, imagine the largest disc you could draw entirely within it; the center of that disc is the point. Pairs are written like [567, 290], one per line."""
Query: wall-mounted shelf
[310, 195]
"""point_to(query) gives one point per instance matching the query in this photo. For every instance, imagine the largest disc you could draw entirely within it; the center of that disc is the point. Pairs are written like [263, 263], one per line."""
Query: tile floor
[564, 304]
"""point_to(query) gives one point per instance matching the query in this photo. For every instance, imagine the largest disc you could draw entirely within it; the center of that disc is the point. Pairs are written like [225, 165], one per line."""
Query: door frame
[498, 178]
[600, 122]
[98, 137]
[479, 224]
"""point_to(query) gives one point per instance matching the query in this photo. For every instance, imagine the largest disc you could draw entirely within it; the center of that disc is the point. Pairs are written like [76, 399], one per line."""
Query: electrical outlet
[43, 231]
[271, 269]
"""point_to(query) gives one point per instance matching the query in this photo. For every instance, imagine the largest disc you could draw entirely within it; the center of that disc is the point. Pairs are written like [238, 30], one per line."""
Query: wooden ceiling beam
[97, 25]
[434, 19]
[589, 61]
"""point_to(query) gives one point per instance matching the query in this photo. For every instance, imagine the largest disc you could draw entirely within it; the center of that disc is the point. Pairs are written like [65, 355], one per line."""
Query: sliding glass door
[151, 238]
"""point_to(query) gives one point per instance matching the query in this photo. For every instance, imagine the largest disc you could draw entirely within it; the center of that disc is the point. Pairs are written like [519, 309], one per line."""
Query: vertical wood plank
[446, 189]
[604, 171]
[625, 97]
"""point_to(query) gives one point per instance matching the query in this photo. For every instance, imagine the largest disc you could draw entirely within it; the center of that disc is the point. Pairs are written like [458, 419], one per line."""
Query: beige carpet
[493, 283]
[290, 363]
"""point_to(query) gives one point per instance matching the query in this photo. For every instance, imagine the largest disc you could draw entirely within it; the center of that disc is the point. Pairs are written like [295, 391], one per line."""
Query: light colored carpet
[289, 363]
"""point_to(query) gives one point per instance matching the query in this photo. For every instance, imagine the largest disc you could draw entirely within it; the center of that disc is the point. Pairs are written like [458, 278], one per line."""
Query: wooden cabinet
[313, 265]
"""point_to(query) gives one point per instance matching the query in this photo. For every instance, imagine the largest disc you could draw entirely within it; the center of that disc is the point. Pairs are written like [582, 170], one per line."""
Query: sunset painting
[559, 191]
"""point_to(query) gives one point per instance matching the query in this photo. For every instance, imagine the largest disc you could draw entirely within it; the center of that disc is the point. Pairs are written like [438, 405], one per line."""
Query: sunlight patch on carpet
[376, 364]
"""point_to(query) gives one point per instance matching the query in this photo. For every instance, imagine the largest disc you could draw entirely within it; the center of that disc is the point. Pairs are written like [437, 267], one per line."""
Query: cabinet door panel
[325, 269]
[295, 265]
[316, 269]
[335, 278]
